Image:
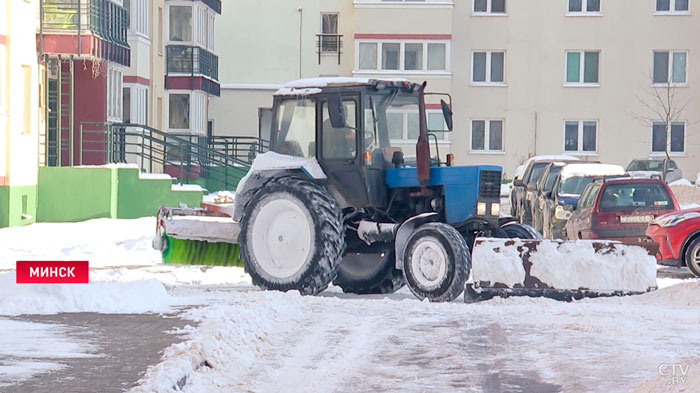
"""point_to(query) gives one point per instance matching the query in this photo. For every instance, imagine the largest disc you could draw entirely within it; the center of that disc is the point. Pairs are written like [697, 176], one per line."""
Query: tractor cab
[356, 129]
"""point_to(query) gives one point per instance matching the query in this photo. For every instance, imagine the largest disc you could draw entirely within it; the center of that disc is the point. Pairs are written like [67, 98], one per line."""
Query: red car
[620, 209]
[678, 237]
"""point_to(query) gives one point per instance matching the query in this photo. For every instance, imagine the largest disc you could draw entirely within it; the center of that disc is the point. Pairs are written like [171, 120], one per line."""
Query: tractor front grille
[490, 185]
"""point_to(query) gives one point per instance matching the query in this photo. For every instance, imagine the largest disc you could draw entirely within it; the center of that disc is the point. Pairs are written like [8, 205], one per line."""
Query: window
[584, 6]
[670, 67]
[126, 98]
[138, 16]
[402, 56]
[296, 128]
[580, 136]
[211, 34]
[660, 141]
[179, 110]
[672, 6]
[340, 143]
[135, 107]
[180, 23]
[489, 7]
[114, 94]
[488, 67]
[582, 67]
[632, 196]
[329, 29]
[27, 100]
[487, 135]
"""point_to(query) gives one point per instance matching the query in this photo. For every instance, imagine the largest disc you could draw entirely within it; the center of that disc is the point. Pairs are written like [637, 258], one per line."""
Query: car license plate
[636, 219]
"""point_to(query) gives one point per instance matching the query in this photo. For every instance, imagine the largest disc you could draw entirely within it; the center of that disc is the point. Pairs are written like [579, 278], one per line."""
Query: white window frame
[487, 136]
[672, 9]
[488, 69]
[402, 57]
[201, 15]
[582, 68]
[138, 110]
[404, 132]
[198, 112]
[580, 151]
[115, 92]
[668, 141]
[140, 18]
[584, 9]
[669, 78]
[488, 9]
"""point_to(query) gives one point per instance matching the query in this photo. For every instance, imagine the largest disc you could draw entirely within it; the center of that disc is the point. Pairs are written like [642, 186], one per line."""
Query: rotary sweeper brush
[336, 201]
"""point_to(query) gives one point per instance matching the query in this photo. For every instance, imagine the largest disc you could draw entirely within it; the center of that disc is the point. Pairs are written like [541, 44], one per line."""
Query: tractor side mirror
[336, 111]
[447, 114]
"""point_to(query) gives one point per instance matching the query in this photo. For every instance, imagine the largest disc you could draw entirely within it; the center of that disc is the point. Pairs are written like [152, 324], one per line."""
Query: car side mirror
[336, 111]
[518, 183]
[447, 114]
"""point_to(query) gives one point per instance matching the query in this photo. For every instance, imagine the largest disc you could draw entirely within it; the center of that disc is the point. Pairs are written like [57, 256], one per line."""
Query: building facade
[20, 115]
[527, 78]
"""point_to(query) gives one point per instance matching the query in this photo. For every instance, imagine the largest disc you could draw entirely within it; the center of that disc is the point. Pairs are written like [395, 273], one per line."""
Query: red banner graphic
[53, 272]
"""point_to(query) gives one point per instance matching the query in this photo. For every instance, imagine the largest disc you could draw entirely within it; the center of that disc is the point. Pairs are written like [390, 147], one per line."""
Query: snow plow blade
[204, 236]
[559, 270]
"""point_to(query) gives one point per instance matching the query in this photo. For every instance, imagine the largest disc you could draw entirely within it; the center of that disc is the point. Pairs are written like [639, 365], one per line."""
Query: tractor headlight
[561, 213]
[481, 209]
[496, 209]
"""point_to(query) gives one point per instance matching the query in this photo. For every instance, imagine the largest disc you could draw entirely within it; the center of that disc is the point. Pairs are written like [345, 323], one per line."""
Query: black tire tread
[387, 280]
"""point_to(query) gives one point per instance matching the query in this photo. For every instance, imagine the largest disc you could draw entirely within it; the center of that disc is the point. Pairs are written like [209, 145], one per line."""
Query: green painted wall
[17, 205]
[76, 194]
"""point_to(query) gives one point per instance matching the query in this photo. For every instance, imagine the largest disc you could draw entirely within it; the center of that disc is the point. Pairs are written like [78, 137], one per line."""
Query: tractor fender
[255, 180]
[404, 232]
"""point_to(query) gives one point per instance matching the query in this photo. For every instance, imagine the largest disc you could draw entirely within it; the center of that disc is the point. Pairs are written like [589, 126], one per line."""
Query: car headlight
[496, 209]
[481, 209]
[561, 213]
[673, 220]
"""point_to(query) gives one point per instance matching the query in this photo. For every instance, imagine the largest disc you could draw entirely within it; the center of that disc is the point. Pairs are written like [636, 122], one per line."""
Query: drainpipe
[301, 13]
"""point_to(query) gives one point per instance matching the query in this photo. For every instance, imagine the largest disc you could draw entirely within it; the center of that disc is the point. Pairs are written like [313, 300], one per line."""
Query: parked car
[519, 207]
[620, 209]
[678, 236]
[567, 187]
[654, 167]
[544, 186]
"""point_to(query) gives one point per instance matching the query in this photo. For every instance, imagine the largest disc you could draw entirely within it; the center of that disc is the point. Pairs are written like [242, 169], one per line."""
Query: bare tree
[664, 105]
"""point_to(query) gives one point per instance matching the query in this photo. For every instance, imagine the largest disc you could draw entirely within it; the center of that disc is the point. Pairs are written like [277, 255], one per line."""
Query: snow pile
[220, 198]
[103, 242]
[227, 342]
[686, 196]
[569, 265]
[186, 187]
[177, 275]
[589, 170]
[681, 182]
[103, 297]
[682, 295]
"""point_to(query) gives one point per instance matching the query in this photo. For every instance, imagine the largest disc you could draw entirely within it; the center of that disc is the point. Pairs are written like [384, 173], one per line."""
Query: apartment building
[526, 77]
[20, 116]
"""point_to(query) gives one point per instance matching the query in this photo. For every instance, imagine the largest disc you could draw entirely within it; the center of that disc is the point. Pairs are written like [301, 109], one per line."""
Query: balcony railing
[329, 44]
[192, 60]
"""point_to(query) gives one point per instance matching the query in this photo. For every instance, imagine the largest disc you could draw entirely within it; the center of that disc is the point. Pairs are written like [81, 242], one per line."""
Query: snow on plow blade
[559, 270]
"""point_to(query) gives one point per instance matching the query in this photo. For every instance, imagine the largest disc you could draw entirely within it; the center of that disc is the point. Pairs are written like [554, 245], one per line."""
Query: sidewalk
[127, 344]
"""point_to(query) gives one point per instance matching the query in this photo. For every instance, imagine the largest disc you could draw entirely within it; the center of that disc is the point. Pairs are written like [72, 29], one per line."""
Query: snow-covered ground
[250, 340]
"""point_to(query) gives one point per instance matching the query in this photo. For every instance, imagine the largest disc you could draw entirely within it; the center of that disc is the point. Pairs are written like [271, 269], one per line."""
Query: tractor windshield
[392, 122]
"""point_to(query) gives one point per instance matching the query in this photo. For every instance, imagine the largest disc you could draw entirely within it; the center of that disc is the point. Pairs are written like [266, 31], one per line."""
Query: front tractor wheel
[291, 236]
[436, 262]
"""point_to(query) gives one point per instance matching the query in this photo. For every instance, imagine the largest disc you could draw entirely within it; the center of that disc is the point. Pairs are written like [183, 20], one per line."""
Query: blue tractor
[342, 198]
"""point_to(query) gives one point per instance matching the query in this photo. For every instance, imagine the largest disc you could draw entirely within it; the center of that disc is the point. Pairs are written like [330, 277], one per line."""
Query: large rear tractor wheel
[292, 236]
[436, 262]
[692, 256]
[374, 273]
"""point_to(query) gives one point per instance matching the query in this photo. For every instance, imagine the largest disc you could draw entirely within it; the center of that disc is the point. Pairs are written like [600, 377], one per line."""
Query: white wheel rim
[429, 262]
[282, 237]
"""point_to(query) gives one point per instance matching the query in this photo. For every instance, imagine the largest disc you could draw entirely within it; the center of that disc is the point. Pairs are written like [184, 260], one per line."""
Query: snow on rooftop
[310, 86]
[587, 170]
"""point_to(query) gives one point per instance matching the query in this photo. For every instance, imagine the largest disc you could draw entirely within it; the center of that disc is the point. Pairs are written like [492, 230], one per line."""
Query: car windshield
[646, 165]
[633, 196]
[392, 122]
[575, 185]
[537, 170]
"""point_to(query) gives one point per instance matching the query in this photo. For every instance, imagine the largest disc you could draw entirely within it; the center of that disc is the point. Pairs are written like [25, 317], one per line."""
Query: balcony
[192, 60]
[329, 44]
[85, 27]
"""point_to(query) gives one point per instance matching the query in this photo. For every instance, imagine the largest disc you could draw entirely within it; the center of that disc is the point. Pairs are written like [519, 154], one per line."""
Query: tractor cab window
[296, 128]
[392, 123]
[340, 143]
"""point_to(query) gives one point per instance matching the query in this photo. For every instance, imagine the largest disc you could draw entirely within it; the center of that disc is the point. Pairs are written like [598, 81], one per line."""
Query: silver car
[654, 167]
